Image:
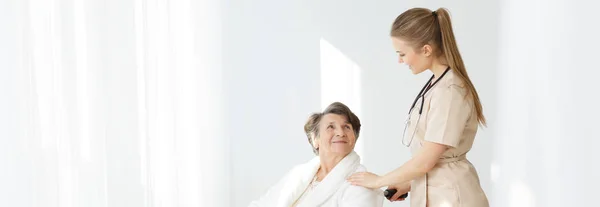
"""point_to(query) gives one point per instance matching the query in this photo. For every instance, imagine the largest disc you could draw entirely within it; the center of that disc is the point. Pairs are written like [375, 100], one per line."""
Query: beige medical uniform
[448, 118]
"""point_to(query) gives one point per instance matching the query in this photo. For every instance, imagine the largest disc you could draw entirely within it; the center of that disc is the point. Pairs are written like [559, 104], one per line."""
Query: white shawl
[333, 190]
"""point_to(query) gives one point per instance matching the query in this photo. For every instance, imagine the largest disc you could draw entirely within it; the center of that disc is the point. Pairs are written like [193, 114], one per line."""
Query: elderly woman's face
[336, 135]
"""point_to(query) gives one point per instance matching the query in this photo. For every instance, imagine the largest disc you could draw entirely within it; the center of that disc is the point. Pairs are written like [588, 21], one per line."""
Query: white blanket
[332, 191]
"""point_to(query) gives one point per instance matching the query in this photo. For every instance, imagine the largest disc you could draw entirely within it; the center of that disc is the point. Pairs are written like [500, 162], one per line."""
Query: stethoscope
[421, 95]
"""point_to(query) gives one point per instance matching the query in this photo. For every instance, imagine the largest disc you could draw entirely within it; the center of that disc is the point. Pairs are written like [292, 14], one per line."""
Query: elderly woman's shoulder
[374, 197]
[361, 168]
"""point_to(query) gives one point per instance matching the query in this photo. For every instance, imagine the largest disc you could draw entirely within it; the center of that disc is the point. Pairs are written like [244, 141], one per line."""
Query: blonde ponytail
[455, 60]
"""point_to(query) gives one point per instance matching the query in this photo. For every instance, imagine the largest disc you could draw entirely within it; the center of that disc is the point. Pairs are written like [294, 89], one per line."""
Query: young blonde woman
[442, 120]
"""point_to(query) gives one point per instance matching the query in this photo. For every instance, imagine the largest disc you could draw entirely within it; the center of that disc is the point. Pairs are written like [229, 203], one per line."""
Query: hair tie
[434, 14]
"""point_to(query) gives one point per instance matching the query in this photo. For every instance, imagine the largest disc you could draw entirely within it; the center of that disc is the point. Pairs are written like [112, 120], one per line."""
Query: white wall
[545, 145]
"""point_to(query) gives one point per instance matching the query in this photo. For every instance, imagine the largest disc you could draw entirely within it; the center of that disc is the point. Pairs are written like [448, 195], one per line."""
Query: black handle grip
[388, 193]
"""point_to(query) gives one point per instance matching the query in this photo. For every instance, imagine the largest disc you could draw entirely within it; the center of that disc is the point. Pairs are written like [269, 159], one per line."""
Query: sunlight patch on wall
[521, 195]
[340, 81]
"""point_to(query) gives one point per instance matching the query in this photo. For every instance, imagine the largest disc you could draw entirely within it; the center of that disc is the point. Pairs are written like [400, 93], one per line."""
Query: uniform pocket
[442, 196]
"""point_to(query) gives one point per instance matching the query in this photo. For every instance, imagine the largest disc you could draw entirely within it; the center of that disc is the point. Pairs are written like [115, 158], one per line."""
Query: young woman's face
[417, 61]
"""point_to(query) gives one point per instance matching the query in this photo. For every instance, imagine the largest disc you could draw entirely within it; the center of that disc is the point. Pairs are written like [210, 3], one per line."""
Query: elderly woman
[322, 181]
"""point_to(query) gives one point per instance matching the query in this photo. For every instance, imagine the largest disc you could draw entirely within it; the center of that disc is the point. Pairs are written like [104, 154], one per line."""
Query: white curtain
[112, 103]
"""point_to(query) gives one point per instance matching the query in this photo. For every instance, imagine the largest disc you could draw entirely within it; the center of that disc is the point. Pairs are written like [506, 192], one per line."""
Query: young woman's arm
[417, 166]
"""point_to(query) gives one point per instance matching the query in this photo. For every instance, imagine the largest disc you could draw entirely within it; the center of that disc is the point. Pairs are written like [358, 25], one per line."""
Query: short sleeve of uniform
[448, 115]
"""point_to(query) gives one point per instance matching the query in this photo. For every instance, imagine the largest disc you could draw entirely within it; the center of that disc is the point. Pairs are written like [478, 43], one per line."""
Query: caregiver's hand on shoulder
[365, 179]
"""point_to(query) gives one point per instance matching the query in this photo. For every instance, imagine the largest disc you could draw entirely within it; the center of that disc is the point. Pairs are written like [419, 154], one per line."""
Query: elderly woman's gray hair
[311, 128]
